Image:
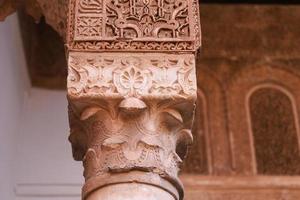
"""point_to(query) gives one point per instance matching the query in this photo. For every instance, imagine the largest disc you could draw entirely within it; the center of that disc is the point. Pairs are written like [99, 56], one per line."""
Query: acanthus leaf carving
[146, 140]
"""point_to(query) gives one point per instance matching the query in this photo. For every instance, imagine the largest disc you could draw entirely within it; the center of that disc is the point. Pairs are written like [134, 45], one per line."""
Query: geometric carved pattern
[144, 25]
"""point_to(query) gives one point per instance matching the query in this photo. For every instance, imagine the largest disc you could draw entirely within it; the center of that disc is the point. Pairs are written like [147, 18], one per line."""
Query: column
[132, 91]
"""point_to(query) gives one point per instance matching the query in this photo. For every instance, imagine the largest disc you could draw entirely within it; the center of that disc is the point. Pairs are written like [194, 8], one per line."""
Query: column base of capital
[134, 185]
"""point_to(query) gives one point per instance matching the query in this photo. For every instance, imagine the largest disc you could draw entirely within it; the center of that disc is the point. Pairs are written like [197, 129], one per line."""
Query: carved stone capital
[131, 113]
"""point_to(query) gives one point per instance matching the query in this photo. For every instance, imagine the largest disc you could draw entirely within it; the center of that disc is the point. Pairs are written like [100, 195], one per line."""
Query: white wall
[35, 156]
[14, 84]
[44, 154]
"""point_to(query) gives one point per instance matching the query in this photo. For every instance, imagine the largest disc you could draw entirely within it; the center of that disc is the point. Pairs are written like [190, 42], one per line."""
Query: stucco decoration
[143, 25]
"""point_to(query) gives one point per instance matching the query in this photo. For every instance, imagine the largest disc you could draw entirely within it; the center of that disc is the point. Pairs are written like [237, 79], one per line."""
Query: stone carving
[159, 46]
[144, 18]
[132, 90]
[148, 25]
[131, 75]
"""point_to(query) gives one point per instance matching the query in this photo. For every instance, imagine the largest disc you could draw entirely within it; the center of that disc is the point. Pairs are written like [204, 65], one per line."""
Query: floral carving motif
[133, 75]
[132, 81]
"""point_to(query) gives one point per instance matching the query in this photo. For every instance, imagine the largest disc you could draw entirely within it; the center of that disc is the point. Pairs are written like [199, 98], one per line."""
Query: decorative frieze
[132, 75]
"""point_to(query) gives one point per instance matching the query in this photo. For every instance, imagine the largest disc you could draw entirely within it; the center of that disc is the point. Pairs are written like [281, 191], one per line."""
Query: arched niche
[274, 125]
[238, 91]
